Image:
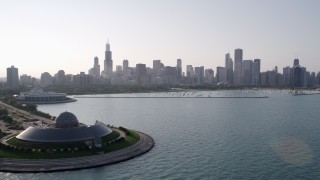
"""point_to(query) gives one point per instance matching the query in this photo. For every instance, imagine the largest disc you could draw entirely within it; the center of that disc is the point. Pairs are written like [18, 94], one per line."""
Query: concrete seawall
[145, 144]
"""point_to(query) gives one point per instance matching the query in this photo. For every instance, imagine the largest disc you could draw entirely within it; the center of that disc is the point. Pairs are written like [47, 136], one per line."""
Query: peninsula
[67, 144]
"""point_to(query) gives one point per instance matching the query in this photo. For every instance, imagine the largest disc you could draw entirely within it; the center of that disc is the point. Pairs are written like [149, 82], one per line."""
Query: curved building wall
[64, 135]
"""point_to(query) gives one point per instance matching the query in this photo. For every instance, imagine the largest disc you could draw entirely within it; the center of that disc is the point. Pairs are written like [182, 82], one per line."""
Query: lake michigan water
[205, 138]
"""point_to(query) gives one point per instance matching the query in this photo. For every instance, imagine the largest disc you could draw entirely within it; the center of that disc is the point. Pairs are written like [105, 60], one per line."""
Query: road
[12, 109]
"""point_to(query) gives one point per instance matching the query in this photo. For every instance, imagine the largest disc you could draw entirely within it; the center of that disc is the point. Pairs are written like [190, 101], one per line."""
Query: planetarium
[66, 129]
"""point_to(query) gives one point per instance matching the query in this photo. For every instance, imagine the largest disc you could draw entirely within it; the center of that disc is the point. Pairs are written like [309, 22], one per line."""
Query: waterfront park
[39, 144]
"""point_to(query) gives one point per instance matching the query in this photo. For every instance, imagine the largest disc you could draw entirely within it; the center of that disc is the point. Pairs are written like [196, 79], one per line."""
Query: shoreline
[145, 144]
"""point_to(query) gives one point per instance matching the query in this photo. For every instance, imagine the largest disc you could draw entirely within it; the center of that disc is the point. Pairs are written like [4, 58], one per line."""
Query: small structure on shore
[38, 96]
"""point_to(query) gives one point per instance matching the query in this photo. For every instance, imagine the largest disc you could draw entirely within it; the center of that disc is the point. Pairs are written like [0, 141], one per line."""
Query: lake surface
[205, 138]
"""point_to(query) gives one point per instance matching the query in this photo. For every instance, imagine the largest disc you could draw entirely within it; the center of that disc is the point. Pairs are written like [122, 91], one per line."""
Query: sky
[39, 36]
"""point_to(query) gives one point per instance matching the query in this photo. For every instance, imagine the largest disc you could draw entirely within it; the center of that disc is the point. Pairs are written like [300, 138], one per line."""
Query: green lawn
[128, 141]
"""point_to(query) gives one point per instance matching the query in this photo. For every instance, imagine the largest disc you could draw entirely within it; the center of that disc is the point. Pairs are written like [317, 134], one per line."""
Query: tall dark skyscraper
[12, 77]
[238, 56]
[247, 72]
[256, 71]
[96, 66]
[157, 68]
[229, 69]
[125, 66]
[199, 72]
[179, 69]
[295, 62]
[141, 71]
[108, 63]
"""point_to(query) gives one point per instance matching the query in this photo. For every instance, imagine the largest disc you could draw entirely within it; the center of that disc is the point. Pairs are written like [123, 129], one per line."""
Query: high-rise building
[221, 75]
[82, 79]
[300, 77]
[229, 69]
[209, 76]
[286, 76]
[108, 63]
[238, 57]
[170, 74]
[272, 78]
[25, 80]
[318, 79]
[189, 71]
[295, 62]
[12, 77]
[60, 77]
[247, 72]
[298, 74]
[157, 68]
[256, 71]
[95, 71]
[46, 79]
[141, 71]
[199, 73]
[119, 69]
[125, 66]
[179, 70]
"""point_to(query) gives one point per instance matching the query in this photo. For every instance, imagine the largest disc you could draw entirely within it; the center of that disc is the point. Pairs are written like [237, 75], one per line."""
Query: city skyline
[39, 36]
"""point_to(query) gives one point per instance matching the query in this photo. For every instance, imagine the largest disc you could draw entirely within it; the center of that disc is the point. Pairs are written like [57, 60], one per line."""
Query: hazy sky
[49, 35]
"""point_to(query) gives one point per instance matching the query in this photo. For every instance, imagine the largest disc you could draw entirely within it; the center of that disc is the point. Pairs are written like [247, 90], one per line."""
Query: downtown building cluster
[235, 73]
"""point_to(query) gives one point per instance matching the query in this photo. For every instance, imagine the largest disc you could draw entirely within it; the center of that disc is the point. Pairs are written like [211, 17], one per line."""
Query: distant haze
[45, 36]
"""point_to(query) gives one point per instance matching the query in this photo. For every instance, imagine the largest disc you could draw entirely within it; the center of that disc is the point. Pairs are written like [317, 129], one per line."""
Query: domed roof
[66, 120]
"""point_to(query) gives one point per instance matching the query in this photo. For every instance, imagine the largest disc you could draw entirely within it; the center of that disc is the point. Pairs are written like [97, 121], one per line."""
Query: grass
[129, 140]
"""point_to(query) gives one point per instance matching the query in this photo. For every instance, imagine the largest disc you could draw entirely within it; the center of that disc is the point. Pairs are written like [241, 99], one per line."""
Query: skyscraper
[125, 65]
[141, 71]
[157, 68]
[295, 62]
[238, 56]
[229, 68]
[256, 71]
[221, 75]
[286, 75]
[179, 70]
[12, 77]
[46, 79]
[108, 63]
[189, 71]
[60, 77]
[247, 72]
[96, 67]
[199, 72]
[95, 71]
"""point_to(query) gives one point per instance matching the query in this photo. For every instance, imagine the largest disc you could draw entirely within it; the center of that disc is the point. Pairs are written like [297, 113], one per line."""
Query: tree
[3, 112]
